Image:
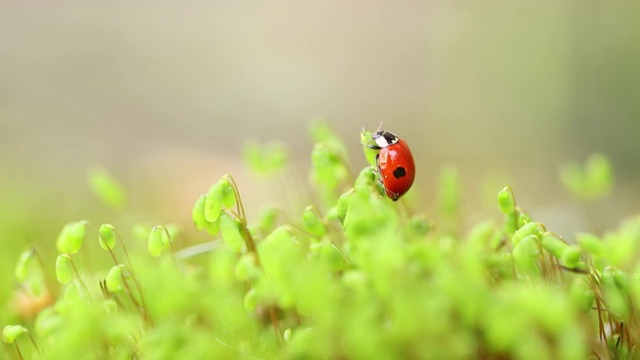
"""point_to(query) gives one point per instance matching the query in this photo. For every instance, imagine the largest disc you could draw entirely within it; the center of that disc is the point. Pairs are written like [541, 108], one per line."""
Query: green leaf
[114, 280]
[158, 240]
[106, 187]
[231, 232]
[64, 269]
[71, 237]
[22, 267]
[11, 332]
[107, 236]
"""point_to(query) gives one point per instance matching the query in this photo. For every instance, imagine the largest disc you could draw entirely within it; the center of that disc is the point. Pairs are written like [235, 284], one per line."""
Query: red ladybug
[395, 163]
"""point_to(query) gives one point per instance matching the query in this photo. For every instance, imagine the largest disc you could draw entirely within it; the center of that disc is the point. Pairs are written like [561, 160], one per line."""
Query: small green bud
[268, 218]
[312, 223]
[554, 245]
[367, 178]
[571, 257]
[231, 232]
[506, 200]
[582, 295]
[71, 237]
[110, 306]
[22, 267]
[106, 187]
[417, 227]
[591, 243]
[64, 269]
[228, 193]
[265, 159]
[114, 280]
[343, 204]
[287, 334]
[213, 202]
[11, 332]
[531, 228]
[197, 214]
[251, 300]
[107, 237]
[523, 218]
[158, 240]
[526, 254]
[73, 291]
[48, 322]
[246, 268]
[213, 228]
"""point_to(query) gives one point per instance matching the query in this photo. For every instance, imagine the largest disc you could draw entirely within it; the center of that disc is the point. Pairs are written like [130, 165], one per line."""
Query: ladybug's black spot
[399, 172]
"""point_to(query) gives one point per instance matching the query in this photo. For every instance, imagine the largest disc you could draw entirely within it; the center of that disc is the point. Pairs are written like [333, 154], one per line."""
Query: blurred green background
[165, 94]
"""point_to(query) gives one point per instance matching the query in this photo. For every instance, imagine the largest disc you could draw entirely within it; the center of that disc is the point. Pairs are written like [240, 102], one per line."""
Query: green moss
[367, 278]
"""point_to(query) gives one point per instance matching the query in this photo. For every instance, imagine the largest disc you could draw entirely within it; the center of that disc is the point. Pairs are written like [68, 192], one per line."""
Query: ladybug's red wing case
[397, 169]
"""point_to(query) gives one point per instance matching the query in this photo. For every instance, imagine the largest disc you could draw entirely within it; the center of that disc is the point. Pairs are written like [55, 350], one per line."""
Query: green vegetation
[353, 276]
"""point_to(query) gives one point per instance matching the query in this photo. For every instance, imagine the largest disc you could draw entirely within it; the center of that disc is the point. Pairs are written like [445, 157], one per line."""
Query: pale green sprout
[328, 170]
[247, 269]
[158, 240]
[581, 294]
[571, 257]
[64, 269]
[266, 159]
[228, 192]
[71, 237]
[12, 332]
[231, 230]
[592, 181]
[532, 228]
[251, 299]
[48, 322]
[197, 214]
[526, 253]
[107, 236]
[554, 245]
[106, 187]
[312, 222]
[213, 202]
[506, 200]
[73, 291]
[114, 280]
[22, 267]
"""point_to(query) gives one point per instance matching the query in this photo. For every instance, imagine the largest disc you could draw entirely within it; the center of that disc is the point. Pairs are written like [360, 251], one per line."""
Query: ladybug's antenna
[380, 127]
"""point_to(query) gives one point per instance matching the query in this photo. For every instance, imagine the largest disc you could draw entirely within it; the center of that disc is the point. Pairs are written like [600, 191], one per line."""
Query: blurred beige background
[165, 93]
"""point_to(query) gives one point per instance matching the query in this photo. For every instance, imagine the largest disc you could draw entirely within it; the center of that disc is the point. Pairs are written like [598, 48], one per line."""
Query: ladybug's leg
[380, 182]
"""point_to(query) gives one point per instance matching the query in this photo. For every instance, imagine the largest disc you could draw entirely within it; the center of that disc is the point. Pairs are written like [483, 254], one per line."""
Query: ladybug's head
[382, 139]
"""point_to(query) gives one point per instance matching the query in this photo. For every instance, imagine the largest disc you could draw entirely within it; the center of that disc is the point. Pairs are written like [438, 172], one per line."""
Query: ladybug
[395, 163]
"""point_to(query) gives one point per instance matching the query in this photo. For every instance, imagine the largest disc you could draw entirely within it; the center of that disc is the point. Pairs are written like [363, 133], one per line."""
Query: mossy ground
[354, 276]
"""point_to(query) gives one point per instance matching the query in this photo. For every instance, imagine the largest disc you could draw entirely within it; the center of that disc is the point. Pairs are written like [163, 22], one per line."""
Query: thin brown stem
[75, 270]
[18, 350]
